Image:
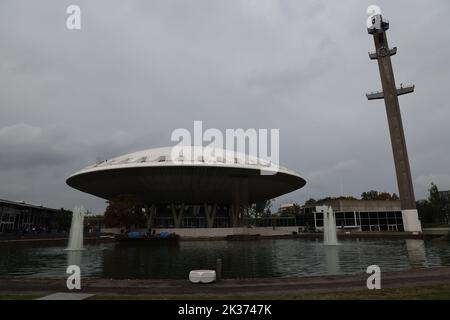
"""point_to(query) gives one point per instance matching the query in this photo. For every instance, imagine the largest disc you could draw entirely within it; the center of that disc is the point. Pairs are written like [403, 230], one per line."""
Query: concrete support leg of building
[233, 209]
[196, 210]
[177, 214]
[210, 213]
[151, 213]
[236, 215]
[411, 222]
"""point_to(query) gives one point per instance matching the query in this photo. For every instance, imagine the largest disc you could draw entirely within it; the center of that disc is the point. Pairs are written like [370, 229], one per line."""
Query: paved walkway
[66, 296]
[271, 286]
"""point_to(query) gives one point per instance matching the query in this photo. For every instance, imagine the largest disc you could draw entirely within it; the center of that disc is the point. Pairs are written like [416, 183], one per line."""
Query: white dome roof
[186, 156]
[187, 175]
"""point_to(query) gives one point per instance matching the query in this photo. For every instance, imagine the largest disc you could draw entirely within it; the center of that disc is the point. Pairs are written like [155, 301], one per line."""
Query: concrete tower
[377, 26]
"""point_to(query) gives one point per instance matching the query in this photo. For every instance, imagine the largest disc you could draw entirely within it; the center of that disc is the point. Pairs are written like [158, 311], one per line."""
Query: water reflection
[332, 259]
[74, 258]
[416, 252]
[248, 259]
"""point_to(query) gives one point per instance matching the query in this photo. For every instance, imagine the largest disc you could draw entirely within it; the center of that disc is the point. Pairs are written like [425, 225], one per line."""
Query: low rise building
[24, 217]
[445, 195]
[358, 215]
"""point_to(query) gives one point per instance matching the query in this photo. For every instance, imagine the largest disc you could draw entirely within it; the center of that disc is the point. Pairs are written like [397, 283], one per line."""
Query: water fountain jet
[329, 227]
[76, 230]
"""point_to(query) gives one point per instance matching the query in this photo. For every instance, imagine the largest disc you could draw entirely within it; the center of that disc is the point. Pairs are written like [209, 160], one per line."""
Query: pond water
[246, 259]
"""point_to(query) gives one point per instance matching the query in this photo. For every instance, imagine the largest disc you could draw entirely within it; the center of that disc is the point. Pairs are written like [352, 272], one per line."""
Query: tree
[384, 196]
[375, 195]
[61, 220]
[257, 209]
[261, 208]
[425, 211]
[433, 194]
[437, 204]
[293, 210]
[328, 199]
[124, 211]
[369, 195]
[268, 207]
[94, 222]
[433, 210]
[346, 198]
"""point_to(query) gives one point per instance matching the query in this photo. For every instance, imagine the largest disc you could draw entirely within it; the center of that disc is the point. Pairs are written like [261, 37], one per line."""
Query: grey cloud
[23, 145]
[139, 69]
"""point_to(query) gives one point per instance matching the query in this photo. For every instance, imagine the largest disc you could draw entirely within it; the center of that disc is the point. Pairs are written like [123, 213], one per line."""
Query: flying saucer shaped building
[182, 182]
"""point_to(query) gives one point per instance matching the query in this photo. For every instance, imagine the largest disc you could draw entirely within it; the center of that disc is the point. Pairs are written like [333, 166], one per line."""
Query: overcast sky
[137, 70]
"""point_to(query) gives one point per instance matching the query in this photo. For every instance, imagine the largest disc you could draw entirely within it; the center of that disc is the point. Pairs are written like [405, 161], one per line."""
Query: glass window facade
[381, 221]
[309, 219]
[367, 221]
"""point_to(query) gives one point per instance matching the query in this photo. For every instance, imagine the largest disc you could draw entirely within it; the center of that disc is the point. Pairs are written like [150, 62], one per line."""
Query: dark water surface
[247, 259]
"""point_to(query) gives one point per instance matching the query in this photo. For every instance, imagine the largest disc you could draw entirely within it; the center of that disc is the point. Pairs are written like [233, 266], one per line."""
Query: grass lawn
[438, 292]
[20, 297]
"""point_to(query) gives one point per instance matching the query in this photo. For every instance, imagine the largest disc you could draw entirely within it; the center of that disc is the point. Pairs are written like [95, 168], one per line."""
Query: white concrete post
[177, 214]
[210, 213]
[411, 222]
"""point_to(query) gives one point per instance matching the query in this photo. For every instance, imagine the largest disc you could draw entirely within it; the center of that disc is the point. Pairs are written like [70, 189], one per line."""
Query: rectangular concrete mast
[390, 95]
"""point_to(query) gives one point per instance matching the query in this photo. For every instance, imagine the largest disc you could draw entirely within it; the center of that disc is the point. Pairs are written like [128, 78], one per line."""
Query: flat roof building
[18, 216]
[359, 215]
[445, 195]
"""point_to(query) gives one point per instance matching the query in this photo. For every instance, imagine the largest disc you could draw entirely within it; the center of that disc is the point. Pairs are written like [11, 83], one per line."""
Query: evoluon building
[188, 192]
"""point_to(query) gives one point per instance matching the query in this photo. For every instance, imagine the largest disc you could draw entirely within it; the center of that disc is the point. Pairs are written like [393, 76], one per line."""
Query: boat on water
[146, 236]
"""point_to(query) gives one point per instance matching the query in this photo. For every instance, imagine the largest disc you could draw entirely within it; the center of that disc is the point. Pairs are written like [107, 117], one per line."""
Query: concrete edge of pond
[351, 235]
